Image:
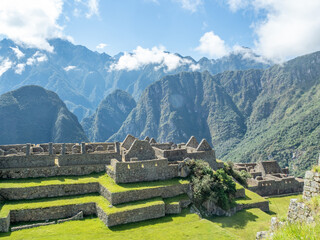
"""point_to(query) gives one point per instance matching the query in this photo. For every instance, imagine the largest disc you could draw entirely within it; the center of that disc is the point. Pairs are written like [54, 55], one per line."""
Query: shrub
[240, 176]
[216, 186]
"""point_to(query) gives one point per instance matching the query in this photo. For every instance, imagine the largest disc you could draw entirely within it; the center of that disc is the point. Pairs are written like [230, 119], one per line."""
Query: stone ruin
[133, 160]
[269, 179]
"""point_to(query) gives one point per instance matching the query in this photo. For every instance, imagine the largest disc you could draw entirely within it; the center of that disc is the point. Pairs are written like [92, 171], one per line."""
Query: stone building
[269, 179]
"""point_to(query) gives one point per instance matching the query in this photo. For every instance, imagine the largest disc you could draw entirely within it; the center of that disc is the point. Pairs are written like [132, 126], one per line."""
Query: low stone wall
[26, 161]
[5, 224]
[87, 159]
[41, 214]
[135, 195]
[299, 211]
[264, 206]
[77, 170]
[31, 226]
[240, 193]
[311, 185]
[49, 191]
[173, 208]
[136, 215]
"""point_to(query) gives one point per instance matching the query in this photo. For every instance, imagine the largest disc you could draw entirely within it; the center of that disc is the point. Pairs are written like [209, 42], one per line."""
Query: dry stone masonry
[132, 160]
[269, 179]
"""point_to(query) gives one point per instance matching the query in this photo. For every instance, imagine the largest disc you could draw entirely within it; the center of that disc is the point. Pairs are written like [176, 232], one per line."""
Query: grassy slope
[242, 225]
[279, 205]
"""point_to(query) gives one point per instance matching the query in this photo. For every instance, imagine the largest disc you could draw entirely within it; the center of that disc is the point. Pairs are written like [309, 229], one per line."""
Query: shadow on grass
[239, 220]
[152, 222]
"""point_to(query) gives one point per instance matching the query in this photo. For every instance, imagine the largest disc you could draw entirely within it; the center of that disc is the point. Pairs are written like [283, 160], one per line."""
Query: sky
[275, 29]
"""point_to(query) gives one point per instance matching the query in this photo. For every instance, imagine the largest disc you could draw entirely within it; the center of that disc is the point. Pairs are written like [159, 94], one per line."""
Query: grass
[62, 201]
[279, 205]
[103, 179]
[243, 225]
[176, 199]
[298, 231]
[250, 197]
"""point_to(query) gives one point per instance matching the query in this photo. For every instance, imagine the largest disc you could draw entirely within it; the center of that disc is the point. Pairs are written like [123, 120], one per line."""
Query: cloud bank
[31, 22]
[289, 28]
[141, 57]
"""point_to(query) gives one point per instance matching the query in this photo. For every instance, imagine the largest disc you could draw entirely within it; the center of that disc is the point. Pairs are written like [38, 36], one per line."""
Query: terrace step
[57, 208]
[24, 189]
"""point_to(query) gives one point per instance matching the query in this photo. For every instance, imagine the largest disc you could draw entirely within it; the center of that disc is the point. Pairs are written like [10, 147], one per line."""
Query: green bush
[240, 176]
[216, 186]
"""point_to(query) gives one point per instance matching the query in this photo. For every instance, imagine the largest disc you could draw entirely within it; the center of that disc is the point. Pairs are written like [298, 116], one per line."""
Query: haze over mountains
[82, 78]
[32, 114]
[248, 113]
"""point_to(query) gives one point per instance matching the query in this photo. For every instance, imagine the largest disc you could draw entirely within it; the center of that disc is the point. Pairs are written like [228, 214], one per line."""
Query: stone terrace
[120, 183]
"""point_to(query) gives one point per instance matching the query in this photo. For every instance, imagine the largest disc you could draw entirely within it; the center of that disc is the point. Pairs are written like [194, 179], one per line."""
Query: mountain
[183, 105]
[248, 115]
[83, 78]
[109, 116]
[32, 114]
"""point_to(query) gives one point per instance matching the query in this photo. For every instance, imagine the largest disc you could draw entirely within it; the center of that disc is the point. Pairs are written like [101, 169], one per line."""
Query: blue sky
[275, 29]
[123, 25]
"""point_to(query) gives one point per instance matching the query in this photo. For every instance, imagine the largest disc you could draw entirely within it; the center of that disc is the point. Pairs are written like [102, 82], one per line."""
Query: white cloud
[68, 68]
[289, 28]
[101, 46]
[237, 4]
[143, 56]
[37, 58]
[248, 53]
[18, 52]
[190, 5]
[194, 67]
[31, 22]
[19, 68]
[93, 8]
[212, 45]
[5, 65]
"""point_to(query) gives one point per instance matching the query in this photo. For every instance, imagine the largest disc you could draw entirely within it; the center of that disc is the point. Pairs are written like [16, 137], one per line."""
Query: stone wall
[136, 215]
[49, 191]
[5, 224]
[311, 185]
[135, 195]
[42, 214]
[16, 161]
[299, 211]
[87, 159]
[76, 170]
[277, 187]
[141, 171]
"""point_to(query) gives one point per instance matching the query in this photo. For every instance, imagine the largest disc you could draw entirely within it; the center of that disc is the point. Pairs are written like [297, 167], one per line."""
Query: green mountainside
[109, 116]
[248, 115]
[32, 114]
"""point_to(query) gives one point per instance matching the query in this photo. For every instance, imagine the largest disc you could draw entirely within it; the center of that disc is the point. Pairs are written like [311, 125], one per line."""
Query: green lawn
[242, 225]
[251, 197]
[279, 205]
